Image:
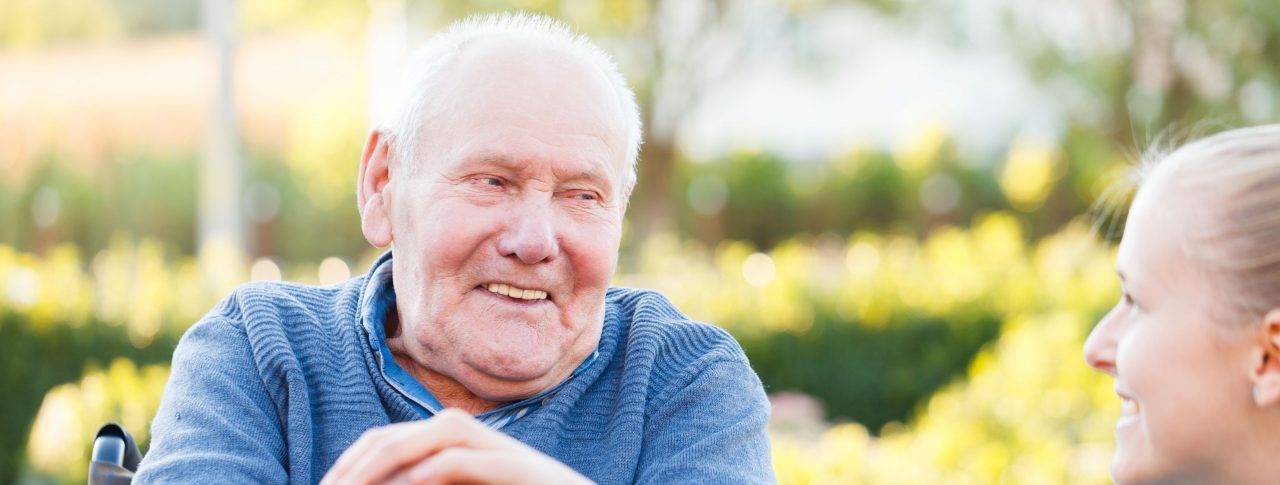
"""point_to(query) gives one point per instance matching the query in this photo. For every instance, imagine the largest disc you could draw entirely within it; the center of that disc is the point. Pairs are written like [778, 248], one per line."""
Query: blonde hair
[424, 67]
[1231, 181]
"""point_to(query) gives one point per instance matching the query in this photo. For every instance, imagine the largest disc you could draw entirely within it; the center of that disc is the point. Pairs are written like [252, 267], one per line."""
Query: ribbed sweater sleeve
[217, 420]
[708, 424]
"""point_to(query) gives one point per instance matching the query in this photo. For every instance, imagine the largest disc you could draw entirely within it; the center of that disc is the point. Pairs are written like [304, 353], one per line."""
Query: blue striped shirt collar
[378, 298]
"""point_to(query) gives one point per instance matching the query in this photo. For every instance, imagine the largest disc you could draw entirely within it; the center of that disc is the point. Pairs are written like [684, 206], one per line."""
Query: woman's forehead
[1153, 251]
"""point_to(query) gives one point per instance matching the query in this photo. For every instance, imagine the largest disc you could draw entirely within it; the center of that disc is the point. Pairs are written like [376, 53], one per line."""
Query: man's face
[506, 234]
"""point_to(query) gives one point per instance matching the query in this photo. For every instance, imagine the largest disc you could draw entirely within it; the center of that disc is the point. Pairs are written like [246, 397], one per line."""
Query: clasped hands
[451, 447]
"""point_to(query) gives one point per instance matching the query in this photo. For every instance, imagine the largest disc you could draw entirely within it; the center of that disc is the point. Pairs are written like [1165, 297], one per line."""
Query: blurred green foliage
[58, 321]
[71, 413]
[872, 376]
[1027, 410]
[870, 325]
[156, 199]
[36, 359]
[143, 196]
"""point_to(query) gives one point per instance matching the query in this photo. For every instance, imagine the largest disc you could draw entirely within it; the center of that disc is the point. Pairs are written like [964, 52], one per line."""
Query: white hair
[422, 73]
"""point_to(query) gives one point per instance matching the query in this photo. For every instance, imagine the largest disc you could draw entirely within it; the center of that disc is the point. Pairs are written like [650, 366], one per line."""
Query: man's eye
[490, 181]
[585, 196]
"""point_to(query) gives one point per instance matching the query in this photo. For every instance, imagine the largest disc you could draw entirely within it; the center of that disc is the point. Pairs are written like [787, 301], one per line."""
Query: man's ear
[626, 197]
[371, 190]
[1265, 371]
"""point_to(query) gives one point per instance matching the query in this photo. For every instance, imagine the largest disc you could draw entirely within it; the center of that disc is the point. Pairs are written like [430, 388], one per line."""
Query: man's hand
[451, 447]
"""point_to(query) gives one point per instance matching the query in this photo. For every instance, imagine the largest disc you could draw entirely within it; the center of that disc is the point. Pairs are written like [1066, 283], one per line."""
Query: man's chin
[509, 381]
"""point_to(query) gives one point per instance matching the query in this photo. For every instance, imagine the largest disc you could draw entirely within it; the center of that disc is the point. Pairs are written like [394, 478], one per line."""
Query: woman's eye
[1131, 305]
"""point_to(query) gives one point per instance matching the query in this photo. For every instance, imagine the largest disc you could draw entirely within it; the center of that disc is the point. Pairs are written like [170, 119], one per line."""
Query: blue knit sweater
[278, 380]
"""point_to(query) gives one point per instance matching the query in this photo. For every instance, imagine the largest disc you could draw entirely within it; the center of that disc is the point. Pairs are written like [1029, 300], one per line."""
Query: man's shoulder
[652, 324]
[278, 318]
[662, 352]
[264, 302]
[278, 328]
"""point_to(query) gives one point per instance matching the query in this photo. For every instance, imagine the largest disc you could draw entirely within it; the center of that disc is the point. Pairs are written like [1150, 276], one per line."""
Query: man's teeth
[521, 293]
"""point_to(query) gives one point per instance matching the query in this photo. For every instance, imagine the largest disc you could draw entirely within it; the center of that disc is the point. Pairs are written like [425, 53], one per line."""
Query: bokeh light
[758, 269]
[264, 269]
[333, 270]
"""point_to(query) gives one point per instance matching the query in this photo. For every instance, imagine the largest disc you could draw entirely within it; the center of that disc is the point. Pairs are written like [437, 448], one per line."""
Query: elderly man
[486, 346]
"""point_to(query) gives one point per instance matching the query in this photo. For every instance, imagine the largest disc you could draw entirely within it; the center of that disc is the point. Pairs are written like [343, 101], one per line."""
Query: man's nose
[1100, 347]
[530, 234]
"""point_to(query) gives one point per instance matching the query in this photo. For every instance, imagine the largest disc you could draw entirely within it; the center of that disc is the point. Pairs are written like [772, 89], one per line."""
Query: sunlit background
[886, 201]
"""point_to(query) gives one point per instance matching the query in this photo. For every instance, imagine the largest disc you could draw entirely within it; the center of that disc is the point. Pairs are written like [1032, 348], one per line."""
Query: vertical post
[221, 237]
[387, 39]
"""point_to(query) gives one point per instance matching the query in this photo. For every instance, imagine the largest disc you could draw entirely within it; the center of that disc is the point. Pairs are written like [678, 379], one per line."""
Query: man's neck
[449, 392]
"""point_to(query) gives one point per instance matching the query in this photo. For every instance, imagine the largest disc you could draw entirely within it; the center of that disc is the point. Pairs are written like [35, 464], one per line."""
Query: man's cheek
[598, 272]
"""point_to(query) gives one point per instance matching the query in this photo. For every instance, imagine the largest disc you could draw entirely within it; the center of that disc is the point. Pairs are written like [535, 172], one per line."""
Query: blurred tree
[1130, 72]
[758, 203]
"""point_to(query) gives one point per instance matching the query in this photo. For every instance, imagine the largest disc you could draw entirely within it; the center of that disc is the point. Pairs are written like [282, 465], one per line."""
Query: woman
[1194, 343]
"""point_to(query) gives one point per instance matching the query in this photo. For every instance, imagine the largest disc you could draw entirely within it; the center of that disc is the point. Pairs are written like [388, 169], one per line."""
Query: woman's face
[1182, 377]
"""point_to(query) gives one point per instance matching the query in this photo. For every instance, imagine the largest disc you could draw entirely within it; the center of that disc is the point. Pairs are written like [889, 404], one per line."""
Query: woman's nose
[1100, 347]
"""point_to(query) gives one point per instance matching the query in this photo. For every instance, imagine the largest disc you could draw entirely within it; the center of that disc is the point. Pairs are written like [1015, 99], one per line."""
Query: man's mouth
[515, 292]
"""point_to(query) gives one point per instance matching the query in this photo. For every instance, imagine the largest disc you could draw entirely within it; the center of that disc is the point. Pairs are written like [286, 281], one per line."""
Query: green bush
[869, 375]
[37, 357]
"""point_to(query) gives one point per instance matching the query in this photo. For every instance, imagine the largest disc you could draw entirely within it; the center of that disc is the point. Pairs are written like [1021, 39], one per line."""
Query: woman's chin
[1127, 469]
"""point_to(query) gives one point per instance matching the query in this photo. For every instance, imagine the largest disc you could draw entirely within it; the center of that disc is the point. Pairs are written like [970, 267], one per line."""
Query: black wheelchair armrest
[115, 456]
